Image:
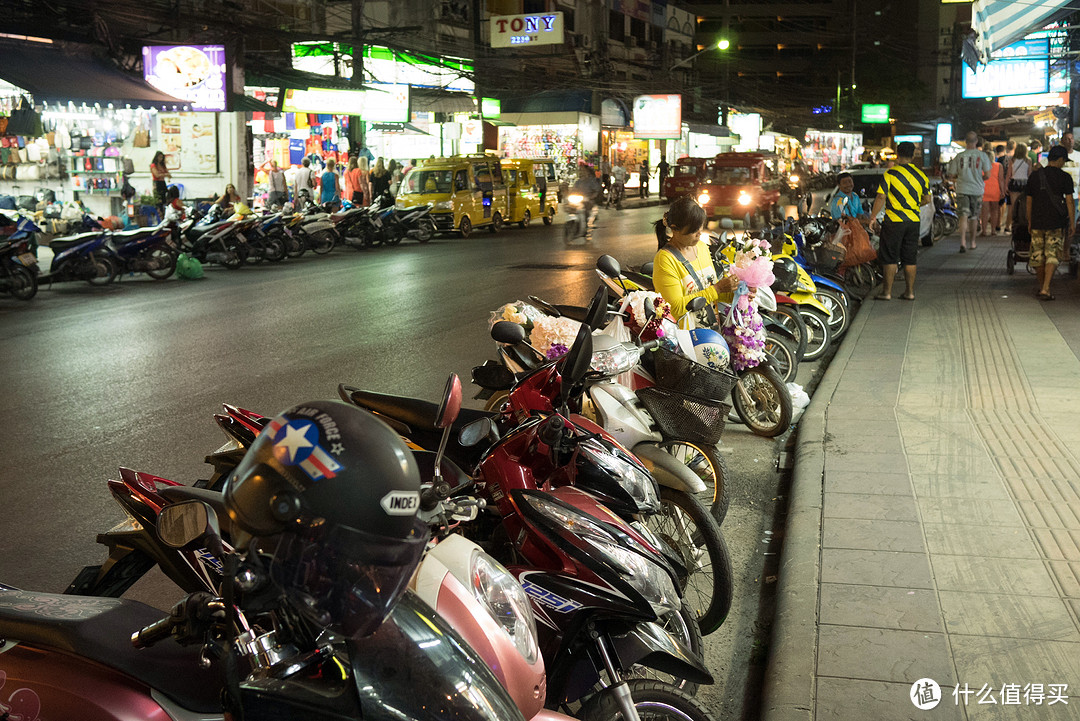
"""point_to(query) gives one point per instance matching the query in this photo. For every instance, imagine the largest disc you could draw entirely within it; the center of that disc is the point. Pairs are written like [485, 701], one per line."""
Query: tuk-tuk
[466, 192]
[740, 186]
[684, 177]
[532, 189]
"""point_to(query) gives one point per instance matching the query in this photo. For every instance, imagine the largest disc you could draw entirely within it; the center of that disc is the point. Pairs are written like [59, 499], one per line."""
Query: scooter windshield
[415, 666]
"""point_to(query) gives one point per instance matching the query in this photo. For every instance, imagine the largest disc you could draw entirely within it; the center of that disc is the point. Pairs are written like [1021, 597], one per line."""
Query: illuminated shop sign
[385, 104]
[1022, 68]
[540, 29]
[658, 116]
[195, 73]
[875, 113]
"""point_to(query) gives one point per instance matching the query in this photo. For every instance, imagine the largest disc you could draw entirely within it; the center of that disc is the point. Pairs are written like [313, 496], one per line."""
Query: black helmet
[340, 490]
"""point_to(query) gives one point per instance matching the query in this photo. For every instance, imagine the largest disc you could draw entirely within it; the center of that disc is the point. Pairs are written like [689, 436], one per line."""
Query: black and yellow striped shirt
[903, 187]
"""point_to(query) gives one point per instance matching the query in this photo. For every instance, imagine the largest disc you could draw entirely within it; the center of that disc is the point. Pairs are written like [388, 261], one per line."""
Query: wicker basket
[679, 373]
[682, 417]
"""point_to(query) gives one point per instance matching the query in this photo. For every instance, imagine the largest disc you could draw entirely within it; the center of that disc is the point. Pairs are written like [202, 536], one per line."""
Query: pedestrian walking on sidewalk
[1051, 215]
[969, 169]
[904, 189]
[643, 174]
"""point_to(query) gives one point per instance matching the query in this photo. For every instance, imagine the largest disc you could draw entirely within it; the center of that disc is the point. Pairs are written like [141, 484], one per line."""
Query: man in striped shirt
[904, 189]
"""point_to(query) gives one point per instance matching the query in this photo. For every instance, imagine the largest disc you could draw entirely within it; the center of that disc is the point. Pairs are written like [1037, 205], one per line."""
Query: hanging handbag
[142, 139]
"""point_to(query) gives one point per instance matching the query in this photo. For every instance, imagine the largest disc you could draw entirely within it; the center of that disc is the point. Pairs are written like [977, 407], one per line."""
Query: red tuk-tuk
[740, 185]
[684, 177]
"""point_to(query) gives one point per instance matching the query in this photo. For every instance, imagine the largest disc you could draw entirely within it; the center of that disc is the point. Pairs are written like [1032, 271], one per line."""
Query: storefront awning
[1003, 22]
[61, 73]
[429, 100]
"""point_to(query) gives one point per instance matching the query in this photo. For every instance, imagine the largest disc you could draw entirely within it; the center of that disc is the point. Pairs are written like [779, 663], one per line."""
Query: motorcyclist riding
[588, 187]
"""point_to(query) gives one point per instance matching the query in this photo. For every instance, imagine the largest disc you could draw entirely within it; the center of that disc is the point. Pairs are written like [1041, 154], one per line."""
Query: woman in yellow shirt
[671, 278]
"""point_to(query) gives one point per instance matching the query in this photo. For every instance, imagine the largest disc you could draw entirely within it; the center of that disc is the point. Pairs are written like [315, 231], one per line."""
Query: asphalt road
[130, 375]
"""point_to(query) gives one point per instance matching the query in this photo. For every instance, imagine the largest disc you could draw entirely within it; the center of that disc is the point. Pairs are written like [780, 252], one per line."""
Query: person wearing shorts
[1051, 211]
[969, 169]
[904, 189]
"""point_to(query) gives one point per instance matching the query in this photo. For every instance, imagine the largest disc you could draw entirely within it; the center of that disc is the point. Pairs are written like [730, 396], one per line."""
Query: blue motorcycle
[144, 250]
[18, 262]
[85, 256]
[830, 289]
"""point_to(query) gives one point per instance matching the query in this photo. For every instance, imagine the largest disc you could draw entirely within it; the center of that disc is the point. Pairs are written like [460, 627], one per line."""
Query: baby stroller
[1021, 236]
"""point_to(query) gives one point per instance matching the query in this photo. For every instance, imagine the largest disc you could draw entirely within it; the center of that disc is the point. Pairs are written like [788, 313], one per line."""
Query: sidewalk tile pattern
[950, 542]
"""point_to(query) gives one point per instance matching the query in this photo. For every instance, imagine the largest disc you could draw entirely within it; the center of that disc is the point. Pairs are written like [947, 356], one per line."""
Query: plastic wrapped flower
[548, 332]
[756, 272]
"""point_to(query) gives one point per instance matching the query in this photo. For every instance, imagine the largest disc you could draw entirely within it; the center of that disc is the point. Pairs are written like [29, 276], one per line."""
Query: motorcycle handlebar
[649, 345]
[157, 631]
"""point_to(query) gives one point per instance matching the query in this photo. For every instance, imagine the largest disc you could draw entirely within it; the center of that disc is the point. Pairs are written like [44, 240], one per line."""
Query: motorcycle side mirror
[184, 523]
[576, 363]
[506, 332]
[696, 304]
[647, 268]
[597, 311]
[608, 266]
[451, 403]
[727, 224]
[477, 431]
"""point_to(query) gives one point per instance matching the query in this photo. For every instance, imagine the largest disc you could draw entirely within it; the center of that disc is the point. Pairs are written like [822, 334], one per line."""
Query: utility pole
[357, 133]
[727, 67]
[854, 37]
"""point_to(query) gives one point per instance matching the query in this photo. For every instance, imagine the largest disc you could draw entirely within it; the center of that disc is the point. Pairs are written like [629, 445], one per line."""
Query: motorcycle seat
[415, 418]
[199, 231]
[99, 629]
[130, 236]
[62, 244]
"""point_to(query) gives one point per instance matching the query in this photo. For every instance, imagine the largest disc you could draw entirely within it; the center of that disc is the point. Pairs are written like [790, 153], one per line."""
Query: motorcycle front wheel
[683, 625]
[23, 283]
[706, 463]
[788, 316]
[818, 333]
[653, 701]
[692, 532]
[781, 352]
[166, 264]
[834, 301]
[426, 231]
[322, 242]
[762, 401]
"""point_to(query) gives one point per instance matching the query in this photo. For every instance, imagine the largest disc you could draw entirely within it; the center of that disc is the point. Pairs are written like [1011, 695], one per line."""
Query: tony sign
[538, 29]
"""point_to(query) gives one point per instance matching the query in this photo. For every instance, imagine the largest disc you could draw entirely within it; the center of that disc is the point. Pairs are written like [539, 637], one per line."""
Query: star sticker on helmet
[295, 439]
[337, 449]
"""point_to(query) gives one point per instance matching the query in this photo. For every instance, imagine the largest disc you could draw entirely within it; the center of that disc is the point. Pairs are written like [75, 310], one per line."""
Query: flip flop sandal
[1044, 296]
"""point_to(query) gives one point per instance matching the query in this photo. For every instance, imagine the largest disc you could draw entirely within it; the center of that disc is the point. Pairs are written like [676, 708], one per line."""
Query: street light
[721, 44]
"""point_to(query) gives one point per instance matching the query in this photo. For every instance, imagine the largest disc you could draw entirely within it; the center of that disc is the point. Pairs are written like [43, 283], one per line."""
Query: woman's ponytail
[661, 233]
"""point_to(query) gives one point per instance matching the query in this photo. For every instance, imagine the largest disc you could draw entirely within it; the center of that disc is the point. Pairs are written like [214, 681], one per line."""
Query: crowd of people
[359, 182]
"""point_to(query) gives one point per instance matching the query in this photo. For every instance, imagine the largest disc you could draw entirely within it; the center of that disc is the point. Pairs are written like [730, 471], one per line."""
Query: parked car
[867, 181]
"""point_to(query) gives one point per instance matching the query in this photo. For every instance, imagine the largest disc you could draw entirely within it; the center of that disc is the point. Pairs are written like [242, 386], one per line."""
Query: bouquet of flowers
[743, 328]
[648, 311]
[553, 336]
[518, 312]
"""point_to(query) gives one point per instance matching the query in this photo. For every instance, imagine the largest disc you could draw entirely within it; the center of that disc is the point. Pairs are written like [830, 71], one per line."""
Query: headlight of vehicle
[639, 484]
[793, 179]
[615, 360]
[703, 199]
[502, 596]
[744, 199]
[443, 205]
[649, 579]
[576, 199]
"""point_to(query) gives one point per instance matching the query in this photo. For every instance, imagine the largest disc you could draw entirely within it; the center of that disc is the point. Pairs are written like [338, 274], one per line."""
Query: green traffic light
[723, 45]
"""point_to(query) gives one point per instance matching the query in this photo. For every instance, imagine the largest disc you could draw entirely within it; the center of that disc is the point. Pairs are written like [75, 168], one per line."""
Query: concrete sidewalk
[934, 520]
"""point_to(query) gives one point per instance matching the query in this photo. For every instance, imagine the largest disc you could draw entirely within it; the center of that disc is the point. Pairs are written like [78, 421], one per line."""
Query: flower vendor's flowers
[556, 351]
[756, 272]
[548, 331]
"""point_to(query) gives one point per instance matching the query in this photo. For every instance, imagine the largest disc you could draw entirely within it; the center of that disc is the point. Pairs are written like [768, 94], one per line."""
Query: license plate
[722, 210]
[27, 259]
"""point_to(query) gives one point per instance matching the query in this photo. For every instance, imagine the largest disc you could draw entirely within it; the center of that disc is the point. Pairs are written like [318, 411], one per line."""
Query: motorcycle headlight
[793, 179]
[615, 360]
[649, 579]
[638, 483]
[744, 199]
[703, 199]
[443, 205]
[502, 596]
[576, 199]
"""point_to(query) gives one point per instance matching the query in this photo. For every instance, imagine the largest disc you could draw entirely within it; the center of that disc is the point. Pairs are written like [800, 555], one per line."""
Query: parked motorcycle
[145, 250]
[213, 241]
[81, 257]
[18, 263]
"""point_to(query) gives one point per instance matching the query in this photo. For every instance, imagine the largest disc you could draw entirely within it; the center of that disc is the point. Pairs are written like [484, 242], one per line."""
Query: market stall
[826, 150]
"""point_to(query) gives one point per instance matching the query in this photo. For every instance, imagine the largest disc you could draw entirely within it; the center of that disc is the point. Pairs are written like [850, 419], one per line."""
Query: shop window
[616, 25]
[532, 7]
[461, 180]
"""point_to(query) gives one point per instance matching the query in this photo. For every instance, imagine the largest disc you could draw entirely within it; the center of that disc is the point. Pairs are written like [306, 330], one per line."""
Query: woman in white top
[1017, 177]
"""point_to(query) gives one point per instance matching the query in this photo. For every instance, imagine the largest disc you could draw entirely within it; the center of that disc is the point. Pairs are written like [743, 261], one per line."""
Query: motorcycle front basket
[679, 373]
[683, 417]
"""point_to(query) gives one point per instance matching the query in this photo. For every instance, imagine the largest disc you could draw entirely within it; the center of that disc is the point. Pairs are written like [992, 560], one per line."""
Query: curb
[789, 692]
